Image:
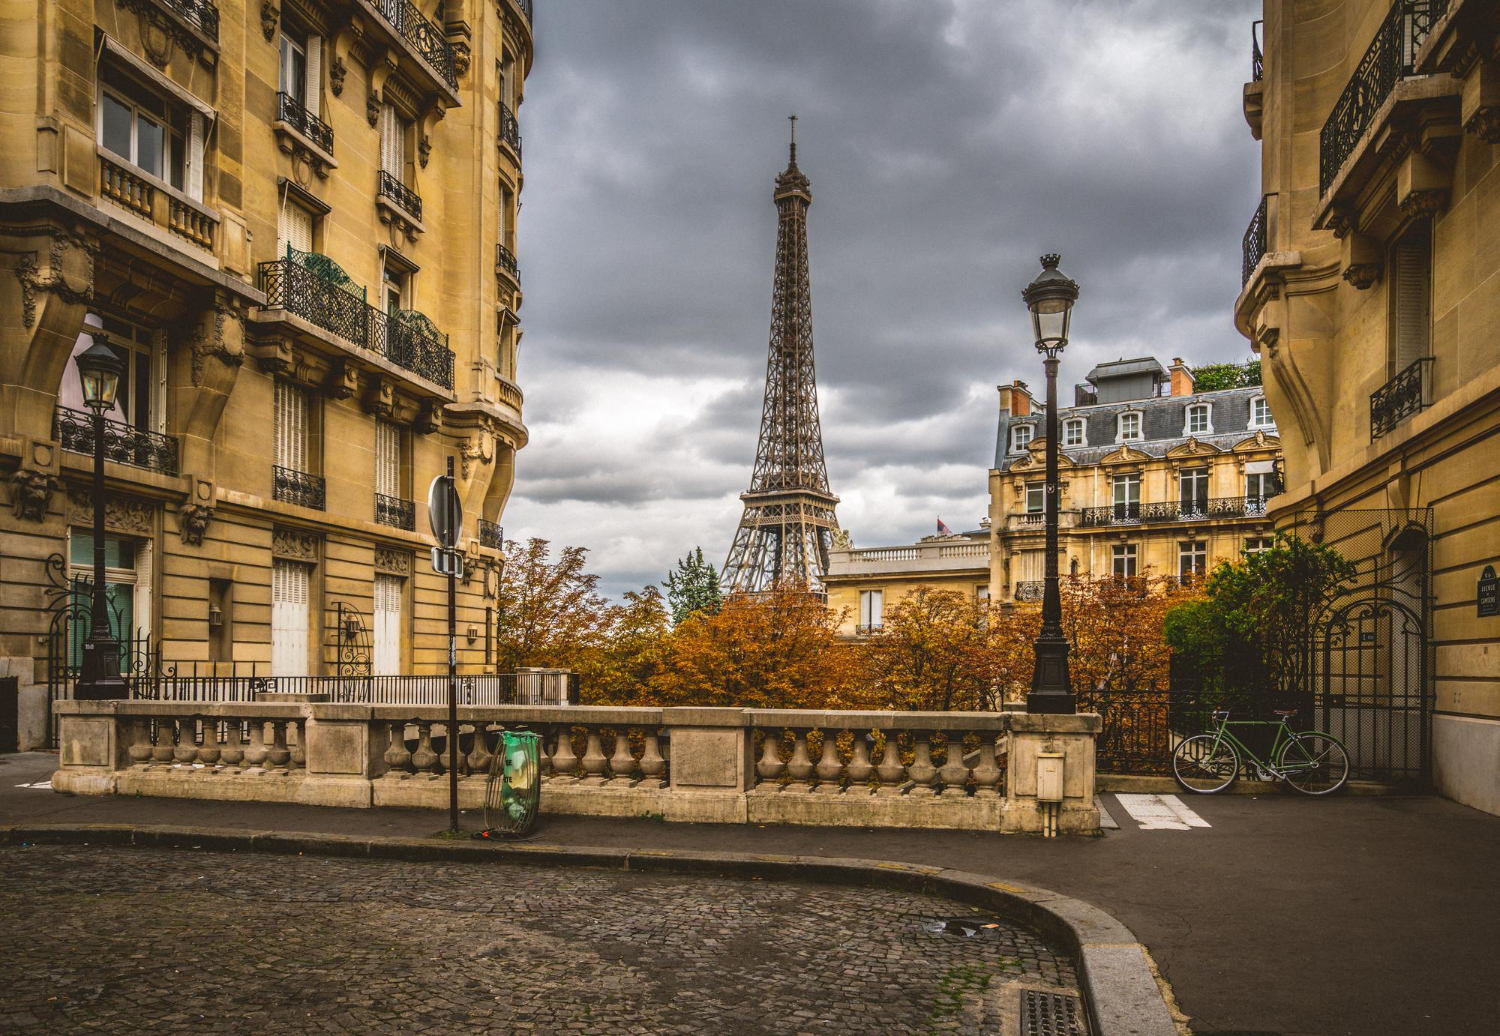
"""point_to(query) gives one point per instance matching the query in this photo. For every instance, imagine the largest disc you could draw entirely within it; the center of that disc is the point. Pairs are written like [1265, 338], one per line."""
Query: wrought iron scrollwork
[123, 443]
[1407, 393]
[422, 34]
[395, 512]
[351, 640]
[298, 487]
[295, 114]
[1254, 245]
[506, 260]
[490, 534]
[405, 198]
[510, 129]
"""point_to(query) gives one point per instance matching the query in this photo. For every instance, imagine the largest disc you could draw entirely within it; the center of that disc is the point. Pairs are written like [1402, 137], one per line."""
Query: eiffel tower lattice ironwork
[789, 522]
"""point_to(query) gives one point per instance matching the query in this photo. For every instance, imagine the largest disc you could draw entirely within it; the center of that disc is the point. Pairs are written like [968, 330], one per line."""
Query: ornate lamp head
[1050, 299]
[99, 368]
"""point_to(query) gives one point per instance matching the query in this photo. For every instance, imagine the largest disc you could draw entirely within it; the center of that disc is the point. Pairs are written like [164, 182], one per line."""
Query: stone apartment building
[1372, 294]
[1152, 483]
[295, 223]
[864, 583]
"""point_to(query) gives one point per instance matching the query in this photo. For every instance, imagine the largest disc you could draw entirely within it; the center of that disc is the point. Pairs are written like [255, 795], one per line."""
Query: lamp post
[99, 368]
[1050, 299]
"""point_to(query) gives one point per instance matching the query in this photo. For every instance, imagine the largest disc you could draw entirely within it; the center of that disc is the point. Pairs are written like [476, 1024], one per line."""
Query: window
[127, 588]
[1259, 544]
[395, 132]
[291, 432]
[294, 227]
[1259, 485]
[145, 129]
[1411, 290]
[1124, 561]
[982, 594]
[289, 617]
[1260, 413]
[1072, 433]
[1198, 420]
[1192, 489]
[1036, 497]
[294, 67]
[1129, 427]
[507, 224]
[388, 453]
[396, 287]
[1020, 437]
[871, 608]
[387, 633]
[139, 401]
[1192, 560]
[1127, 497]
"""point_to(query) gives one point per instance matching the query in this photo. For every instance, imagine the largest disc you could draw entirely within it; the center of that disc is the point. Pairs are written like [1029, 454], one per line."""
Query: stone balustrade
[964, 770]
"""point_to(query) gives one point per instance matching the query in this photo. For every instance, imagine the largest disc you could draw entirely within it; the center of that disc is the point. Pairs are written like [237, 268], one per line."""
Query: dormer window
[1020, 437]
[1199, 420]
[1260, 413]
[1128, 428]
[1072, 432]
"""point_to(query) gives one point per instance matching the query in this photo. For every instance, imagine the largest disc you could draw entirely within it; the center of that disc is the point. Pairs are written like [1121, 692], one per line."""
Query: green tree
[1211, 377]
[693, 588]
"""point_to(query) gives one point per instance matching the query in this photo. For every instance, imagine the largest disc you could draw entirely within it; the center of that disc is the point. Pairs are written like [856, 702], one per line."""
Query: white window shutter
[387, 625]
[289, 615]
[291, 427]
[387, 458]
[1413, 265]
[314, 75]
[195, 156]
[391, 159]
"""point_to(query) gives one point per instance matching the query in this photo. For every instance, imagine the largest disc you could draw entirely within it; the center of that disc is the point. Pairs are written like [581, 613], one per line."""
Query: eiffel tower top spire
[788, 523]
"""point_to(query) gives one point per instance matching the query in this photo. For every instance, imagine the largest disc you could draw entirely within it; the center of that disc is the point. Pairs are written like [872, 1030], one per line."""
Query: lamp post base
[1051, 684]
[99, 676]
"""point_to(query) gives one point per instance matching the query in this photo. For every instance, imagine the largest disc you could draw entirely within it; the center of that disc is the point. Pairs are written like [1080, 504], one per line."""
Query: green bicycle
[1314, 763]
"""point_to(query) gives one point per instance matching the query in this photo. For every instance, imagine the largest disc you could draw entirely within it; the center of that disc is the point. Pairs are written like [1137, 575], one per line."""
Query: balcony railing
[421, 33]
[1407, 393]
[395, 512]
[314, 288]
[154, 200]
[491, 535]
[292, 112]
[123, 443]
[202, 15]
[526, 8]
[1177, 511]
[1387, 61]
[1257, 59]
[298, 487]
[510, 129]
[865, 629]
[401, 195]
[1255, 243]
[1029, 590]
[506, 260]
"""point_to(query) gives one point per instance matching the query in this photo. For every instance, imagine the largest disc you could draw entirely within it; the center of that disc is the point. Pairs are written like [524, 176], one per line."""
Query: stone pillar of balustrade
[713, 764]
[346, 747]
[1072, 735]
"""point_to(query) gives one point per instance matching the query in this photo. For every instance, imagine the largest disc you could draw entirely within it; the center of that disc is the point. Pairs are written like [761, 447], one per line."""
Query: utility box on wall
[1049, 776]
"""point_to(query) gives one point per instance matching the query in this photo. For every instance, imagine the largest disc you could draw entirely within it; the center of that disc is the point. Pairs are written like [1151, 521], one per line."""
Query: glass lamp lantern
[99, 369]
[1050, 299]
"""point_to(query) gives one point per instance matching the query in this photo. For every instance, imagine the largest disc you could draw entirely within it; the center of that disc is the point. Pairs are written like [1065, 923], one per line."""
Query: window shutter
[392, 146]
[289, 613]
[195, 156]
[291, 427]
[387, 459]
[1413, 269]
[294, 226]
[387, 625]
[314, 75]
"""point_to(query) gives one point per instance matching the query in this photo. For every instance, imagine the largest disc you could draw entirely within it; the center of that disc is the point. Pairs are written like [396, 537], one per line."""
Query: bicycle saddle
[1285, 712]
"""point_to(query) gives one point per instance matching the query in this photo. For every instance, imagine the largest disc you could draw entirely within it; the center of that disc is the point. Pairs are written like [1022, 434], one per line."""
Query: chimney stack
[1182, 378]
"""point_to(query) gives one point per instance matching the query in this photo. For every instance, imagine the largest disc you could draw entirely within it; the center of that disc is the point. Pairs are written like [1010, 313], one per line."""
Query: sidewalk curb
[1119, 990]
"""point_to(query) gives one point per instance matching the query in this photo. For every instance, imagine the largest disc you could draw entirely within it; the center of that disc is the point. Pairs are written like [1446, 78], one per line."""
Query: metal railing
[1257, 59]
[1029, 590]
[1387, 61]
[526, 9]
[423, 34]
[1202, 509]
[510, 129]
[298, 487]
[1254, 247]
[202, 15]
[406, 199]
[1407, 393]
[291, 285]
[295, 114]
[506, 260]
[864, 630]
[491, 534]
[1141, 728]
[410, 340]
[123, 443]
[395, 512]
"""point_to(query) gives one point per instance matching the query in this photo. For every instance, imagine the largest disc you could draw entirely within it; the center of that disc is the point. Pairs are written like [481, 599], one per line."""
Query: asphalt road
[1286, 916]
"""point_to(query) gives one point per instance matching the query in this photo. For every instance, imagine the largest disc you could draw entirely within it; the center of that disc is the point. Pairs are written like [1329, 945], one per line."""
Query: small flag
[943, 530]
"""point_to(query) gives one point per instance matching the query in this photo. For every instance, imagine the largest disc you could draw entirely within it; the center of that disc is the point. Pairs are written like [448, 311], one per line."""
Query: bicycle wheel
[1205, 764]
[1314, 764]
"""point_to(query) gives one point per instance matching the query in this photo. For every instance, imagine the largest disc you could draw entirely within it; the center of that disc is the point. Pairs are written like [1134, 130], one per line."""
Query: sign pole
[452, 691]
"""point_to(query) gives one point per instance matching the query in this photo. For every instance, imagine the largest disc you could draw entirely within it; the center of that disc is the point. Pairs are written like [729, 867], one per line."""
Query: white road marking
[39, 784]
[1160, 812]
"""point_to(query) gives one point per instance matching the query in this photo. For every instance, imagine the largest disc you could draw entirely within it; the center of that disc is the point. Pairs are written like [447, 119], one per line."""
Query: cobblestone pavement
[150, 940]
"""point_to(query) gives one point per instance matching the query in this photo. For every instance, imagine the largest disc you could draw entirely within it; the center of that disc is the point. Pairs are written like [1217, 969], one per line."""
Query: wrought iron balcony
[1257, 59]
[1387, 61]
[292, 112]
[1407, 393]
[404, 198]
[526, 8]
[123, 443]
[506, 260]
[298, 487]
[510, 129]
[411, 341]
[1200, 510]
[202, 15]
[491, 534]
[1255, 243]
[1029, 590]
[395, 512]
[423, 34]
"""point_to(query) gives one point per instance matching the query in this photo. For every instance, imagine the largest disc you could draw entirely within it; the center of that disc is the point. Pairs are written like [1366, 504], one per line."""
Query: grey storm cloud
[949, 143]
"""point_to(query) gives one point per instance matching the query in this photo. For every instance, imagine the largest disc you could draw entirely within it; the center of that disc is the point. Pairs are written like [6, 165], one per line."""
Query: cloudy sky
[949, 143]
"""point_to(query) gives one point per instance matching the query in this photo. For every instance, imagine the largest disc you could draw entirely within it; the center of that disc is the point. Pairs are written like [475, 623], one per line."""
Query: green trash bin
[513, 795]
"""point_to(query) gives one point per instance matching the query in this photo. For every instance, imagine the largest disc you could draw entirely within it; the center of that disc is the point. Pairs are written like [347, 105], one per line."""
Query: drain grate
[1050, 1014]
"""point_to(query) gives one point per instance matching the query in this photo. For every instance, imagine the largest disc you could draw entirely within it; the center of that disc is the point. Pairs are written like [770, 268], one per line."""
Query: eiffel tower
[788, 524]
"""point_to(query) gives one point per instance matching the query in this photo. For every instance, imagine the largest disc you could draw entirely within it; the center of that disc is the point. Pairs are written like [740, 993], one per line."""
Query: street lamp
[1050, 299]
[99, 368]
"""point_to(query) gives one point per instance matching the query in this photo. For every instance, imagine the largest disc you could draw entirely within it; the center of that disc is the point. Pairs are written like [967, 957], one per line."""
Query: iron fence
[395, 512]
[422, 34]
[295, 114]
[1409, 392]
[407, 200]
[1388, 60]
[123, 443]
[490, 534]
[510, 129]
[298, 487]
[1203, 509]
[1254, 246]
[1140, 728]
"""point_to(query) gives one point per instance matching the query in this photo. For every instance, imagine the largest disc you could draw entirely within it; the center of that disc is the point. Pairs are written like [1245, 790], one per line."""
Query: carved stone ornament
[209, 340]
[478, 447]
[336, 73]
[294, 544]
[192, 522]
[372, 107]
[1424, 204]
[121, 513]
[424, 149]
[31, 493]
[1340, 223]
[392, 562]
[1486, 124]
[1362, 275]
[842, 540]
[160, 32]
[461, 59]
[270, 14]
[69, 274]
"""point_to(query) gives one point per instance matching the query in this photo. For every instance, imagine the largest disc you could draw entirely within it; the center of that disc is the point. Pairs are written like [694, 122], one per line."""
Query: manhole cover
[1050, 1014]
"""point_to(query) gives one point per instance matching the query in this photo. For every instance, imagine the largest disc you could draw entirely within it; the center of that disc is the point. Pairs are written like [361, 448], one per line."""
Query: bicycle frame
[1284, 736]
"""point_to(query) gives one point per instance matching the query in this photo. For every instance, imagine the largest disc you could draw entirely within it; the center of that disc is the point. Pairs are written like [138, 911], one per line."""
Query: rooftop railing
[123, 443]
[1409, 392]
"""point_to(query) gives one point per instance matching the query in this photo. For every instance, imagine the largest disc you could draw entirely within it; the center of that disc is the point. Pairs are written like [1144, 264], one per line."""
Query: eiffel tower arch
[788, 524]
